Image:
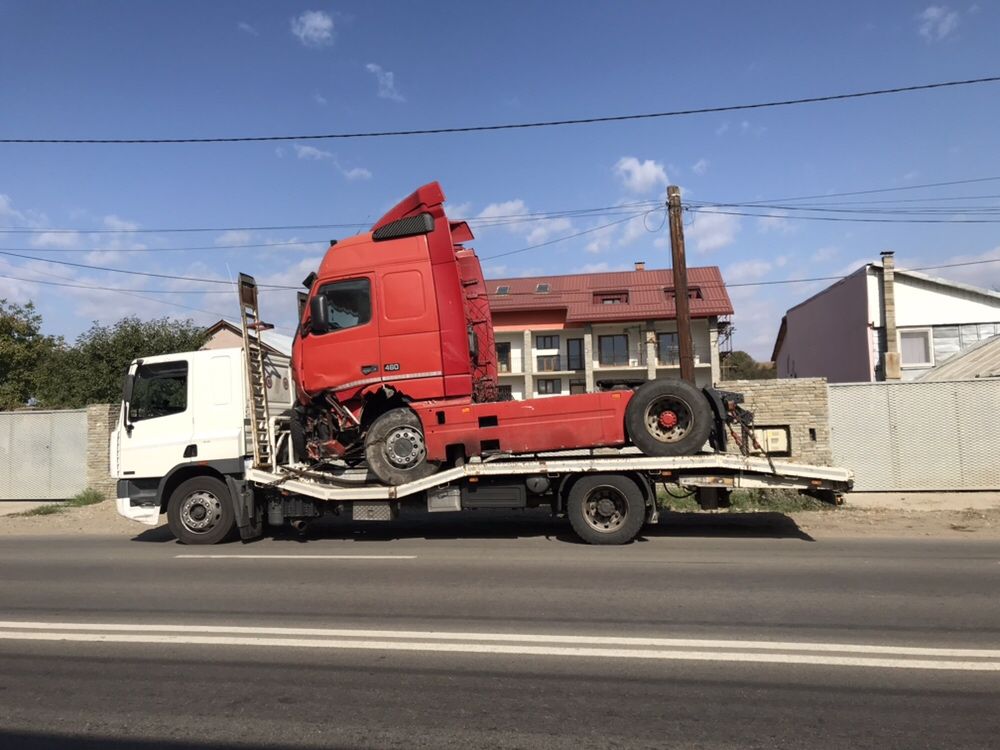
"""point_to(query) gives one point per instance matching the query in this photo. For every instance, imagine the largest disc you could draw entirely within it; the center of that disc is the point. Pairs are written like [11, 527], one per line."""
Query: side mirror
[318, 314]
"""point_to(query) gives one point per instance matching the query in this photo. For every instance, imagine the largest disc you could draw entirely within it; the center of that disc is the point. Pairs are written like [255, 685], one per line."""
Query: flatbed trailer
[572, 483]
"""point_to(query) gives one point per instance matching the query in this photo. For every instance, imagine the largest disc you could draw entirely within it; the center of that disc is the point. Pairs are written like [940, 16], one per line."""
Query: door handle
[368, 369]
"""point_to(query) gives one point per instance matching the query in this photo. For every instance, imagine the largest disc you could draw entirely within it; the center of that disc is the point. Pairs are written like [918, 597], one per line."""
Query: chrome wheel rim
[605, 509]
[201, 511]
[668, 419]
[404, 447]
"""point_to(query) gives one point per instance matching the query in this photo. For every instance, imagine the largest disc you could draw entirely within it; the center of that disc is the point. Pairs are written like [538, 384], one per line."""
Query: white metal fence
[918, 435]
[43, 454]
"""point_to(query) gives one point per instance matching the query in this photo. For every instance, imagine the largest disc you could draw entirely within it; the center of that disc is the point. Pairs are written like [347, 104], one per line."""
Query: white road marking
[494, 649]
[296, 557]
[781, 652]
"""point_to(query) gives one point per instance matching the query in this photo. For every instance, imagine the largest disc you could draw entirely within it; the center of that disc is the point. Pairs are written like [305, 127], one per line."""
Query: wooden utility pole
[681, 300]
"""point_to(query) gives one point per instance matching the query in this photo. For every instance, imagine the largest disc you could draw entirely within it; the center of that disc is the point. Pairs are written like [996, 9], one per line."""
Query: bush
[88, 497]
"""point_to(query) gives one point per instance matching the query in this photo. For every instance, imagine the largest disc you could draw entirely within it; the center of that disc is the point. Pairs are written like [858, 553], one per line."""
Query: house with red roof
[584, 332]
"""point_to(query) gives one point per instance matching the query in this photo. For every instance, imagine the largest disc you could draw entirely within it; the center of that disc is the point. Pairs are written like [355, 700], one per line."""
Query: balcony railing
[557, 363]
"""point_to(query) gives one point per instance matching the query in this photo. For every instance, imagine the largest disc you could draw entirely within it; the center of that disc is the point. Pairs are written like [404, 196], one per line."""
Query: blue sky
[145, 69]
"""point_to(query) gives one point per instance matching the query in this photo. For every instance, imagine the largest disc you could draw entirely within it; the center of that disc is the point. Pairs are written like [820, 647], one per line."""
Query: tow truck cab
[184, 415]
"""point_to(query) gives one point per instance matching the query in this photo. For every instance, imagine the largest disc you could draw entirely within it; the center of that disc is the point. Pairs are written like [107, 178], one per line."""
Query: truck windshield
[159, 389]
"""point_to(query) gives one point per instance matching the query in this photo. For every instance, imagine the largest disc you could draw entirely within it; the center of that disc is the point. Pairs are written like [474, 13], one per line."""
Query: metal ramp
[260, 417]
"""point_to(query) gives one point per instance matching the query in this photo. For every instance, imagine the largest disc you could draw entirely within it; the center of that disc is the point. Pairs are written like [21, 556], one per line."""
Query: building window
[668, 349]
[574, 354]
[547, 363]
[915, 348]
[503, 291]
[611, 298]
[612, 350]
[549, 386]
[694, 292]
[546, 342]
[577, 386]
[503, 356]
[542, 289]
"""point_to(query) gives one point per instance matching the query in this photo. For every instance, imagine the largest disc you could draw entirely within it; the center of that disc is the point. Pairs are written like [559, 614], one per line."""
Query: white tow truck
[205, 437]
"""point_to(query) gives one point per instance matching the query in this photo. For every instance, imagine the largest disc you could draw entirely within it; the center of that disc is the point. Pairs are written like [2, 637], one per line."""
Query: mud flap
[249, 514]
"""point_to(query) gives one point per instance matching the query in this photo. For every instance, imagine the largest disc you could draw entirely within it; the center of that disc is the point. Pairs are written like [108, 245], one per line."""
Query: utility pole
[681, 300]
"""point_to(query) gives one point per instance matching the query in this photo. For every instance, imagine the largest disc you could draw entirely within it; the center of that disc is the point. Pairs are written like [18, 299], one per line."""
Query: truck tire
[668, 418]
[200, 511]
[395, 450]
[606, 509]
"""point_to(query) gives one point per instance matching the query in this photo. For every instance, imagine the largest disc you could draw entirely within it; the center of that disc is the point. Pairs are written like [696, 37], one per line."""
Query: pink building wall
[828, 335]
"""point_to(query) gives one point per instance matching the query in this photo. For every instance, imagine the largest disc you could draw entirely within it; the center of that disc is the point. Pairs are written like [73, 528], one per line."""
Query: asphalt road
[459, 633]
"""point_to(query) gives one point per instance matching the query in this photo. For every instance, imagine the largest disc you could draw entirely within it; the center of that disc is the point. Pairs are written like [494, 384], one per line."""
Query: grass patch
[775, 501]
[87, 497]
[42, 510]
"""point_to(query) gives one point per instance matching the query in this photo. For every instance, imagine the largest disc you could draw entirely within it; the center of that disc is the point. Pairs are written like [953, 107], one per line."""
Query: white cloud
[56, 240]
[504, 210]
[386, 83]
[700, 167]
[747, 270]
[355, 173]
[311, 152]
[10, 216]
[711, 231]
[722, 129]
[247, 28]
[314, 28]
[234, 237]
[119, 224]
[319, 98]
[937, 22]
[460, 211]
[985, 275]
[640, 176]
[824, 254]
[534, 231]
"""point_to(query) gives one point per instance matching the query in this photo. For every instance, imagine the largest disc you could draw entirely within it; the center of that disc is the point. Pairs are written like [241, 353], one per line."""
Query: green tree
[91, 371]
[741, 366]
[23, 347]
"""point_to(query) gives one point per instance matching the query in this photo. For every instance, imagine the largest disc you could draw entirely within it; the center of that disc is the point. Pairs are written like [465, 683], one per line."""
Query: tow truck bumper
[146, 514]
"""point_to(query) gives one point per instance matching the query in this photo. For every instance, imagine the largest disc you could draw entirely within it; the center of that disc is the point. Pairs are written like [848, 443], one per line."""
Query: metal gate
[918, 435]
[43, 454]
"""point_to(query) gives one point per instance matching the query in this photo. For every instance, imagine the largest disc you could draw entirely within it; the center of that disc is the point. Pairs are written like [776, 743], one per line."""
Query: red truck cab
[395, 363]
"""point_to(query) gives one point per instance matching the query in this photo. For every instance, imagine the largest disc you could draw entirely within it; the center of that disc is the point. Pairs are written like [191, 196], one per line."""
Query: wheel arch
[182, 472]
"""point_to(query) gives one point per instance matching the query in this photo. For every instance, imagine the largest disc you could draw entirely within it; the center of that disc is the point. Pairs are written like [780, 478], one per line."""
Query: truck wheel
[200, 511]
[606, 509]
[395, 448]
[668, 418]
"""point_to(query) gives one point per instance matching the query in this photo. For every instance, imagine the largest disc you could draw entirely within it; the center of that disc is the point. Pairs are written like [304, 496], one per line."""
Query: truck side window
[349, 303]
[160, 389]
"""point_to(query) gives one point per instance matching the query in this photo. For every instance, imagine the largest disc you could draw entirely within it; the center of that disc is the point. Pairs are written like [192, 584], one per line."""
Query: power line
[138, 273]
[949, 183]
[519, 125]
[864, 220]
[488, 221]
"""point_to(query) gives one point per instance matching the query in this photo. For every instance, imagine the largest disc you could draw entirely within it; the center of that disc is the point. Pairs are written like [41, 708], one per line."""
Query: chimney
[891, 357]
[640, 265]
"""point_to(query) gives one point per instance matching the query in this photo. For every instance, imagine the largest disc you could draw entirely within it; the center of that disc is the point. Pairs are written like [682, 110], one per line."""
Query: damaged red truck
[395, 365]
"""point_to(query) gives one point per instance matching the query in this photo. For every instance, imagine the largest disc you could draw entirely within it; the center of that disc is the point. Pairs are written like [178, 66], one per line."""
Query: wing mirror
[319, 314]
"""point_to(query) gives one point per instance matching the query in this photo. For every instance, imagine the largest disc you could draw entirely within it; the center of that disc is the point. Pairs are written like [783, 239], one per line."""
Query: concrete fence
[53, 455]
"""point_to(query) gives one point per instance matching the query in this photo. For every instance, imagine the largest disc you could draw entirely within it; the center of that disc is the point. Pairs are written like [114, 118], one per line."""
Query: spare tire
[668, 418]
